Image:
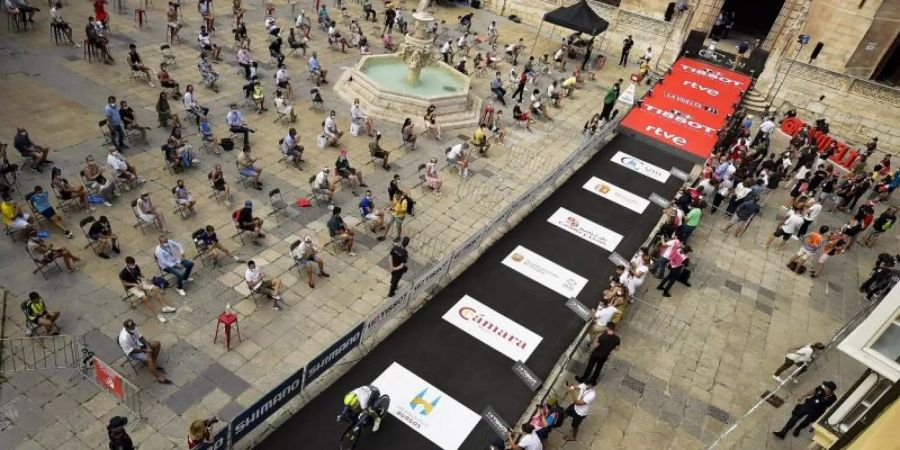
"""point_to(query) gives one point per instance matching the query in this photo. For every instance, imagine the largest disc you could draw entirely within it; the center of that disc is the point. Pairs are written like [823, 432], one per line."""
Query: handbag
[160, 282]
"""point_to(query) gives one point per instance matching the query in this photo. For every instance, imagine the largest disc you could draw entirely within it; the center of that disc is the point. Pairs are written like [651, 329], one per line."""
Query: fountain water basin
[389, 72]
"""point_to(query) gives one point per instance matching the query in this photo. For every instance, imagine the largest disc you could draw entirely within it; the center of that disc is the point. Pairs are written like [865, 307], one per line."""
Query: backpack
[227, 144]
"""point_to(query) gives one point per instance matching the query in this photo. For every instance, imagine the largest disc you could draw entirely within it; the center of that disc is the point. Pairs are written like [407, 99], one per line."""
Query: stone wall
[840, 25]
[856, 109]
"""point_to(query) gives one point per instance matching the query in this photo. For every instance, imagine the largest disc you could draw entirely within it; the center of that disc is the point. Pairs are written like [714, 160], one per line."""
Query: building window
[844, 422]
[888, 343]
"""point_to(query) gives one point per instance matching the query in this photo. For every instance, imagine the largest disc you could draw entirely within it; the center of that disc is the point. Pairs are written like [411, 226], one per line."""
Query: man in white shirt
[258, 282]
[170, 257]
[245, 61]
[445, 52]
[323, 185]
[283, 80]
[290, 149]
[120, 166]
[235, 121]
[330, 130]
[799, 356]
[305, 255]
[602, 317]
[582, 396]
[813, 209]
[787, 228]
[640, 265]
[765, 130]
[528, 440]
[648, 56]
[137, 347]
[456, 156]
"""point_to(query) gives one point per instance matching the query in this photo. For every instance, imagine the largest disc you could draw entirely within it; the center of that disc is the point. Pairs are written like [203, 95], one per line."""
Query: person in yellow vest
[398, 208]
[38, 313]
[479, 140]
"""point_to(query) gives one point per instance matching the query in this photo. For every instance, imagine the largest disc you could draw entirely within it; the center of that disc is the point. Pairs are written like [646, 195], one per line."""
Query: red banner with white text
[688, 107]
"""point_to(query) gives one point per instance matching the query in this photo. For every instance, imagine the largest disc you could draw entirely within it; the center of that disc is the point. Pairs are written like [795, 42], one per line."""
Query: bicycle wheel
[350, 437]
[381, 405]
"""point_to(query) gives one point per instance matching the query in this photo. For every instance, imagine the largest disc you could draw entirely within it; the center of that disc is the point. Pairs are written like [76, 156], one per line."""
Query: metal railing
[40, 353]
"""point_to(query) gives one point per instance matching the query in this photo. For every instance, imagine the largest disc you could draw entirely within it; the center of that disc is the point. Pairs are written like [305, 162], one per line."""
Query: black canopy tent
[578, 17]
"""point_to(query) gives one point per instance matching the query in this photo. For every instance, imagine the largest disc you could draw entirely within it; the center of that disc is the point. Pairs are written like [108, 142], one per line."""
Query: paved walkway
[59, 97]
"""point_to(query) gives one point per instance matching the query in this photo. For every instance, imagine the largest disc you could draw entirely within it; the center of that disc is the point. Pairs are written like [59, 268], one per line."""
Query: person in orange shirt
[812, 242]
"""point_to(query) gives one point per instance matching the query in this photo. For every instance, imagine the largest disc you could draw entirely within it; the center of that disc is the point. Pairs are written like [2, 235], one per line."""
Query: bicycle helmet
[351, 399]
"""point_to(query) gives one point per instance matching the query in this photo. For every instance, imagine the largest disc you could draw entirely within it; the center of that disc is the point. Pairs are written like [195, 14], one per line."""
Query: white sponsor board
[627, 96]
[617, 195]
[492, 328]
[425, 408]
[592, 232]
[640, 166]
[546, 272]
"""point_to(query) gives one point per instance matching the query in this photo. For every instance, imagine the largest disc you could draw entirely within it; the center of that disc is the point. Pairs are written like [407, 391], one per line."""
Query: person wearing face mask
[134, 283]
[330, 129]
[92, 174]
[137, 347]
[170, 257]
[148, 213]
[342, 169]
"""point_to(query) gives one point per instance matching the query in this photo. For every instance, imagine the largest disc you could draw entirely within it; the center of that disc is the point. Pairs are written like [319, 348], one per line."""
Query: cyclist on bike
[361, 400]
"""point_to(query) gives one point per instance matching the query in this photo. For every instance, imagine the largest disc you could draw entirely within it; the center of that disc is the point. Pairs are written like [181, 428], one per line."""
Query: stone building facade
[842, 83]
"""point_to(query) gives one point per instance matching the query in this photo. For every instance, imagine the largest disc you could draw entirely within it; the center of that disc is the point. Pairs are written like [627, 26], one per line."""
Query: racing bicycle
[361, 421]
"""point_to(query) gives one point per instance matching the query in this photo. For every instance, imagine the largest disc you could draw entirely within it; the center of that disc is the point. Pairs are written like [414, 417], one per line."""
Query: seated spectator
[93, 31]
[40, 200]
[191, 104]
[217, 178]
[236, 124]
[456, 156]
[553, 94]
[330, 129]
[208, 240]
[305, 255]
[148, 213]
[39, 315]
[340, 232]
[275, 50]
[14, 215]
[68, 192]
[433, 176]
[136, 346]
[247, 168]
[137, 65]
[480, 141]
[29, 150]
[57, 21]
[364, 48]
[130, 120]
[178, 153]
[316, 69]
[164, 112]
[388, 41]
[206, 45]
[247, 222]
[408, 133]
[283, 107]
[101, 233]
[166, 81]
[538, 107]
[431, 125]
[208, 137]
[134, 283]
[322, 185]
[377, 151]
[170, 257]
[342, 169]
[93, 177]
[241, 37]
[183, 196]
[120, 167]
[290, 149]
[521, 116]
[295, 41]
[45, 253]
[498, 132]
[245, 60]
[359, 118]
[283, 80]
[335, 37]
[260, 283]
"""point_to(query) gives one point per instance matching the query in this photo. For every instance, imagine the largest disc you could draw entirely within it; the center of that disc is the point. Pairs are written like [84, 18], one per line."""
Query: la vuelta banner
[688, 107]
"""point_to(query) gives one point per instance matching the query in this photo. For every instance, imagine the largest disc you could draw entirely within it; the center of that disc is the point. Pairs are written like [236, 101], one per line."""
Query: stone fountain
[392, 87]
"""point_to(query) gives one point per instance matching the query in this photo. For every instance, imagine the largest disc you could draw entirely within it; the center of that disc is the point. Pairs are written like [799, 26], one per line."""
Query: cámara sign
[492, 328]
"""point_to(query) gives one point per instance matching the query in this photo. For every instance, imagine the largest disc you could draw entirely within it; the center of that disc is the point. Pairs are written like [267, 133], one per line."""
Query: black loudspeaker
[756, 62]
[693, 44]
[815, 53]
[670, 11]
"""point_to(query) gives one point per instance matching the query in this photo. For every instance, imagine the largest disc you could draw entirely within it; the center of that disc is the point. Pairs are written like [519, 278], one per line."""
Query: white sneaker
[376, 425]
[189, 279]
[276, 297]
[161, 319]
[168, 309]
[107, 204]
[351, 253]
[777, 378]
[181, 292]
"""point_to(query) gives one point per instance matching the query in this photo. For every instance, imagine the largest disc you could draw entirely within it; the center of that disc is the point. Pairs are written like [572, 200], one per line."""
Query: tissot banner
[425, 408]
[592, 232]
[617, 195]
[492, 328]
[551, 275]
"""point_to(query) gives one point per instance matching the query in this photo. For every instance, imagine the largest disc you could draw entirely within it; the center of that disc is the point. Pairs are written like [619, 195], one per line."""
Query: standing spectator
[798, 356]
[810, 214]
[305, 254]
[765, 130]
[602, 347]
[199, 432]
[665, 252]
[133, 281]
[399, 208]
[882, 224]
[137, 347]
[809, 408]
[115, 124]
[582, 396]
[39, 315]
[836, 244]
[603, 316]
[398, 258]
[433, 176]
[626, 49]
[259, 282]
[743, 214]
[170, 257]
[118, 437]
[691, 222]
[340, 232]
[810, 246]
[787, 228]
[609, 101]
[677, 262]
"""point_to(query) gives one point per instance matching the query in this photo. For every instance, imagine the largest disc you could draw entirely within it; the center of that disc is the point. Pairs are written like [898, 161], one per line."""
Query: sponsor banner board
[678, 173]
[617, 195]
[257, 413]
[618, 260]
[659, 200]
[592, 232]
[430, 277]
[492, 328]
[640, 166]
[108, 379]
[578, 308]
[526, 375]
[425, 408]
[333, 354]
[493, 419]
[546, 272]
[386, 312]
